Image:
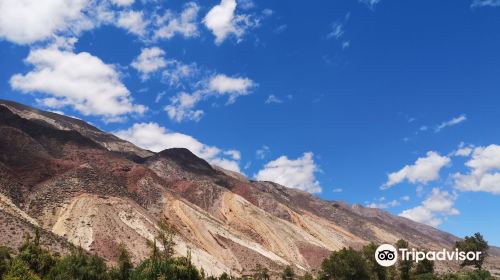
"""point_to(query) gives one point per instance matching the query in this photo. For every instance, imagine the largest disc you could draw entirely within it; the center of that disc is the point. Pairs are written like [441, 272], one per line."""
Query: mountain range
[85, 187]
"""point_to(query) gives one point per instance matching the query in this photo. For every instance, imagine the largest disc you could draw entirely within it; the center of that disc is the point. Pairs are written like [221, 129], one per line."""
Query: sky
[384, 103]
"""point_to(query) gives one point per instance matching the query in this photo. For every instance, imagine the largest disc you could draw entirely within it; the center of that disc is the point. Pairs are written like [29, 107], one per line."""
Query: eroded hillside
[88, 188]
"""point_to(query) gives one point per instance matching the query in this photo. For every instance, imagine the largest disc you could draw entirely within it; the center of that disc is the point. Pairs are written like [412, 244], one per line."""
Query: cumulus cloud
[463, 150]
[437, 206]
[484, 175]
[451, 122]
[485, 3]
[184, 24]
[133, 21]
[293, 173]
[182, 106]
[79, 80]
[29, 21]
[232, 87]
[149, 61]
[235, 154]
[156, 138]
[424, 170]
[223, 21]
[174, 72]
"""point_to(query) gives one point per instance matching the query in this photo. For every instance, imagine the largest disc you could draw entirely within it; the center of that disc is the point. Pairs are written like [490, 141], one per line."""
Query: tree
[124, 266]
[261, 273]
[475, 243]
[378, 271]
[166, 238]
[287, 273]
[79, 265]
[18, 270]
[424, 267]
[405, 266]
[172, 269]
[308, 276]
[32, 254]
[4, 260]
[345, 264]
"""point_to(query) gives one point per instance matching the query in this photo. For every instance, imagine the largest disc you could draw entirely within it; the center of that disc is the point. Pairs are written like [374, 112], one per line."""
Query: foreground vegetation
[32, 262]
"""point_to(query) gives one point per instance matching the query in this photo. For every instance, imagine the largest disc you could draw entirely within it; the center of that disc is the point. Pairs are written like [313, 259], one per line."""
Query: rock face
[91, 189]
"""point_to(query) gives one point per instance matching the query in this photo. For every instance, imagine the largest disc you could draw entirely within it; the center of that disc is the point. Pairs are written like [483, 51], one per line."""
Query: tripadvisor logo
[387, 255]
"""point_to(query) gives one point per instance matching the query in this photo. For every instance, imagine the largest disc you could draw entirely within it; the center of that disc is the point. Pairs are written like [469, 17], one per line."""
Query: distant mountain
[88, 188]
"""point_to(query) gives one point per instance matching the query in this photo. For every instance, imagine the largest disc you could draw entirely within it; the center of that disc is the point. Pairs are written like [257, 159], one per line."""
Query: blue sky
[389, 104]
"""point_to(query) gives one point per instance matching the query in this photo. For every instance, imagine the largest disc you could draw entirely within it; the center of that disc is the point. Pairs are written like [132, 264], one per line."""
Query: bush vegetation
[32, 262]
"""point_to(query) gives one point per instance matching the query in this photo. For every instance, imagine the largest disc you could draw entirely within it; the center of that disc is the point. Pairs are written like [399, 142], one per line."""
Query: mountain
[84, 187]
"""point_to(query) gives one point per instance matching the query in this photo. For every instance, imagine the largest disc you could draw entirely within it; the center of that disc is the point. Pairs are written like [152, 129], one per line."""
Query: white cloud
[293, 173]
[156, 138]
[182, 106]
[184, 24]
[484, 175]
[273, 99]
[370, 3]
[176, 72]
[149, 61]
[384, 205]
[29, 21]
[280, 29]
[438, 205]
[485, 3]
[159, 96]
[337, 30]
[79, 80]
[226, 164]
[263, 152]
[463, 150]
[133, 21]
[123, 2]
[246, 4]
[267, 12]
[230, 86]
[337, 190]
[236, 155]
[451, 122]
[424, 170]
[223, 21]
[346, 44]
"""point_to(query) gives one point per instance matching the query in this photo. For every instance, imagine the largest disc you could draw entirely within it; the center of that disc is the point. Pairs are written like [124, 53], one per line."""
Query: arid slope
[91, 189]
